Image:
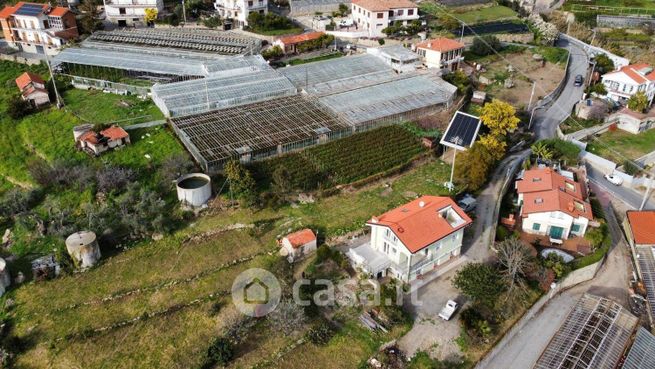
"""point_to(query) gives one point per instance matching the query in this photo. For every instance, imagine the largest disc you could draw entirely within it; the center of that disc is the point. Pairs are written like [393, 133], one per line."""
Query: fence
[593, 50]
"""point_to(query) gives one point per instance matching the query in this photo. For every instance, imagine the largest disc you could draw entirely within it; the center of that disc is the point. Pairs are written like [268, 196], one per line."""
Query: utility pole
[184, 11]
[451, 184]
[461, 37]
[534, 84]
[647, 194]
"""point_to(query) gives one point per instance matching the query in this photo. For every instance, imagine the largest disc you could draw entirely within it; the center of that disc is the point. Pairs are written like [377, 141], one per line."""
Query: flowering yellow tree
[150, 15]
[500, 117]
[494, 145]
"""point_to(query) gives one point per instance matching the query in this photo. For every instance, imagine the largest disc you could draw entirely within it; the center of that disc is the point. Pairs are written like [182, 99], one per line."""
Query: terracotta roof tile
[441, 44]
[114, 133]
[7, 12]
[545, 190]
[90, 137]
[58, 11]
[419, 223]
[639, 73]
[642, 226]
[302, 237]
[26, 78]
[383, 5]
[294, 39]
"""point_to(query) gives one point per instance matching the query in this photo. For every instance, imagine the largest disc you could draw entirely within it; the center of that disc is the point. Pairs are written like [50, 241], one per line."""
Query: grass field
[619, 145]
[180, 270]
[571, 124]
[485, 14]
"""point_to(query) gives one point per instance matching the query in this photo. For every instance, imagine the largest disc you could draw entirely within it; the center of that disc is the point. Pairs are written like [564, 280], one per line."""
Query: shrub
[630, 168]
[597, 235]
[17, 201]
[563, 150]
[18, 108]
[485, 45]
[321, 333]
[556, 263]
[212, 22]
[482, 282]
[220, 353]
[274, 52]
[112, 178]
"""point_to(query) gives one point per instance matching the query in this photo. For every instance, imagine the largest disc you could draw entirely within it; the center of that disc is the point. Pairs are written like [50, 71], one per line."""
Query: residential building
[628, 80]
[33, 89]
[640, 228]
[37, 28]
[632, 121]
[375, 15]
[412, 240]
[96, 143]
[236, 12]
[397, 57]
[553, 205]
[289, 44]
[130, 12]
[298, 244]
[441, 53]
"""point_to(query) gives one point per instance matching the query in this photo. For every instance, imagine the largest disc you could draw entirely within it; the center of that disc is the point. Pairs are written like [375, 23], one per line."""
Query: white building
[375, 15]
[441, 53]
[237, 11]
[298, 244]
[97, 143]
[397, 57]
[37, 28]
[552, 205]
[412, 240]
[130, 12]
[627, 81]
[632, 121]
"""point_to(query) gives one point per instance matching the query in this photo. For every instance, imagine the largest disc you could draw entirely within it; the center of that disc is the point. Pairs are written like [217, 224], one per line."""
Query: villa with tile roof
[441, 53]
[627, 81]
[413, 239]
[32, 89]
[375, 15]
[553, 205]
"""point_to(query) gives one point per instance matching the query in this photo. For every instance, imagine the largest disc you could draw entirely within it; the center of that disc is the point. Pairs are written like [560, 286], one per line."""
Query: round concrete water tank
[5, 278]
[83, 248]
[194, 189]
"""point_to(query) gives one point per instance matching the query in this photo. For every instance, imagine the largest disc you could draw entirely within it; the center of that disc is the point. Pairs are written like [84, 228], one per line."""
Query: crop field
[346, 160]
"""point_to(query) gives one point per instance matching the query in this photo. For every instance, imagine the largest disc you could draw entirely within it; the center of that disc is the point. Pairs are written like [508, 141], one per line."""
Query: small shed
[479, 97]
[95, 143]
[591, 109]
[289, 44]
[32, 89]
[298, 244]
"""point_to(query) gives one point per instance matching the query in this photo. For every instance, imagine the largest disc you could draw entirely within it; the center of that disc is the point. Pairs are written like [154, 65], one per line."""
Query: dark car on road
[578, 80]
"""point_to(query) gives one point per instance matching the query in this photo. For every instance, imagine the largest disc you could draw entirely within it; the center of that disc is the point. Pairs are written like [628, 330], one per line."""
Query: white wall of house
[297, 253]
[620, 87]
[635, 125]
[437, 59]
[542, 223]
[239, 10]
[375, 21]
[38, 98]
[131, 12]
[36, 34]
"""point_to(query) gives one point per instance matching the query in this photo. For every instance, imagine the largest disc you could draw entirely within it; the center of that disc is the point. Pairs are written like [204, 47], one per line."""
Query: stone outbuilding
[298, 244]
[33, 90]
[83, 248]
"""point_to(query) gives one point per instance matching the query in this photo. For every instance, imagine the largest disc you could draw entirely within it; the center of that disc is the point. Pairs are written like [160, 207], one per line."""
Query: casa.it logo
[256, 292]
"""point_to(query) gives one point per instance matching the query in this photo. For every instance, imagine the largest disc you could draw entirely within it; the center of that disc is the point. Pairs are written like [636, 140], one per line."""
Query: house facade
[441, 53]
[130, 12]
[33, 89]
[236, 12]
[633, 122]
[289, 44]
[37, 28]
[96, 143]
[553, 205]
[412, 240]
[375, 15]
[298, 244]
[627, 81]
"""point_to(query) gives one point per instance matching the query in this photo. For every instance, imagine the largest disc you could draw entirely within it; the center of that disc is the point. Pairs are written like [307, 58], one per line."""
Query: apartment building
[236, 12]
[375, 15]
[37, 28]
[130, 12]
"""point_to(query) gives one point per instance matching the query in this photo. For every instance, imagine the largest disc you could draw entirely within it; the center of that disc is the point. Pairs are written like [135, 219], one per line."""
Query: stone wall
[522, 38]
[623, 21]
[20, 59]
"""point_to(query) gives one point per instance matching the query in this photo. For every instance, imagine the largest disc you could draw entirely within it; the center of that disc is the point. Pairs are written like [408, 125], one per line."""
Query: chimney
[375, 219]
[421, 204]
[401, 230]
[429, 45]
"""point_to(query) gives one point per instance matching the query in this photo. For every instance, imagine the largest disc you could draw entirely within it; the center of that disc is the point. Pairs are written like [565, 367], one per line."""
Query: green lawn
[278, 32]
[619, 145]
[485, 14]
[571, 124]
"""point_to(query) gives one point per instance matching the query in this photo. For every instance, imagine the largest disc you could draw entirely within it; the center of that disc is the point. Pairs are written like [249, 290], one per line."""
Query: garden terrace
[225, 43]
[391, 102]
[256, 131]
[594, 335]
[219, 91]
[493, 27]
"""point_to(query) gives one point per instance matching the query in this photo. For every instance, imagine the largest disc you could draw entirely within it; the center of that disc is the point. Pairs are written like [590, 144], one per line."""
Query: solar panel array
[462, 130]
[29, 9]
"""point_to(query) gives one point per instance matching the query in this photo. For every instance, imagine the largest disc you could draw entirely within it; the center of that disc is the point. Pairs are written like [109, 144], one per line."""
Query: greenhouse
[406, 98]
[257, 131]
[594, 335]
[222, 90]
[217, 42]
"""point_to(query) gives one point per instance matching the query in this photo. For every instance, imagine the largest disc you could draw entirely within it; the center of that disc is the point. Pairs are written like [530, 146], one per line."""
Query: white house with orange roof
[375, 15]
[627, 81]
[298, 244]
[32, 88]
[95, 143]
[441, 53]
[553, 205]
[413, 239]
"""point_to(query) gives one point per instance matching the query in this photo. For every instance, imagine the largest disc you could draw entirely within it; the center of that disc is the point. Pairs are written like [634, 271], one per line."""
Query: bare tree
[288, 316]
[515, 259]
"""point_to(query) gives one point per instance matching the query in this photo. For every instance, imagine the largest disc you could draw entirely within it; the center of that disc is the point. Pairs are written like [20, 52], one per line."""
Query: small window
[393, 250]
[536, 226]
[536, 179]
[538, 200]
[575, 228]
[380, 15]
[410, 12]
[401, 12]
[425, 252]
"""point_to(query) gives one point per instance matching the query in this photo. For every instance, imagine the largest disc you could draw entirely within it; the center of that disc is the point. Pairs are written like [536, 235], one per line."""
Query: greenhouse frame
[257, 131]
[594, 335]
[642, 353]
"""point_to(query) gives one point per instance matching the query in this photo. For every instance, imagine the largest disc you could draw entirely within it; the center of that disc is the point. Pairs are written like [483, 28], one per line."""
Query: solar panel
[462, 131]
[30, 9]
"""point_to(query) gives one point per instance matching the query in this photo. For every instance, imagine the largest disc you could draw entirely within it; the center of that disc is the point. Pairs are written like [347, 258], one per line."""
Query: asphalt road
[627, 195]
[545, 121]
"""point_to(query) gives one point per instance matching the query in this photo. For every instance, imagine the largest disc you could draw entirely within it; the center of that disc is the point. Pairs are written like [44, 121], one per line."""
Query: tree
[459, 79]
[473, 166]
[481, 282]
[448, 22]
[542, 150]
[241, 182]
[111, 178]
[343, 10]
[604, 64]
[515, 259]
[638, 102]
[287, 317]
[494, 145]
[89, 21]
[219, 353]
[150, 15]
[485, 45]
[212, 22]
[18, 108]
[274, 52]
[499, 117]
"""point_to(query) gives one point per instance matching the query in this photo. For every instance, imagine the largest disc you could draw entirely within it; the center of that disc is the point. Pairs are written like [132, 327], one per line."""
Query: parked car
[579, 80]
[614, 179]
[346, 23]
[449, 310]
[467, 203]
